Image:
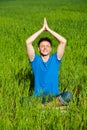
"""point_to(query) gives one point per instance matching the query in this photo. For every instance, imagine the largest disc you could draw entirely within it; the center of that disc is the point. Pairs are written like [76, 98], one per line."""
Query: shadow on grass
[26, 78]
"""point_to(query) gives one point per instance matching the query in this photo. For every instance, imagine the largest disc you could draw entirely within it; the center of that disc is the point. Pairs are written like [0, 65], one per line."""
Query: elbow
[26, 42]
[64, 41]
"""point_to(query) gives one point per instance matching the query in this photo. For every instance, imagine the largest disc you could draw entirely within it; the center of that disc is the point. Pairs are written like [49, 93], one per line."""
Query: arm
[29, 42]
[62, 44]
[62, 40]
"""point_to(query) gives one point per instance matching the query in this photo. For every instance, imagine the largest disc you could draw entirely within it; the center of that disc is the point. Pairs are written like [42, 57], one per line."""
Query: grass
[18, 20]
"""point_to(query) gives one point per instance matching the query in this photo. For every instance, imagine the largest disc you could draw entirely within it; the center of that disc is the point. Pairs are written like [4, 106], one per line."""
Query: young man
[46, 67]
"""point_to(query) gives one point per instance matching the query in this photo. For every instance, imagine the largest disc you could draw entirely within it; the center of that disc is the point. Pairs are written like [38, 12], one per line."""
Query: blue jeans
[64, 98]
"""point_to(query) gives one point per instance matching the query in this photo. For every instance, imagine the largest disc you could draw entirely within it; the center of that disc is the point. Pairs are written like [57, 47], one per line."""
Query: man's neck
[45, 58]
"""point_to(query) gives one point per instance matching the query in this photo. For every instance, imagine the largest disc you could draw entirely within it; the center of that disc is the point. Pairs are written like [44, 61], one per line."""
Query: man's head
[45, 46]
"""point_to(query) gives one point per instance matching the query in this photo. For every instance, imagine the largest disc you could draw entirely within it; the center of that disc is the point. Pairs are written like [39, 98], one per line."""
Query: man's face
[45, 48]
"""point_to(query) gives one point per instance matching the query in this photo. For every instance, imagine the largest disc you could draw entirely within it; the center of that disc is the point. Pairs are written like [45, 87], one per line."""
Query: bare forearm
[29, 46]
[57, 36]
[34, 36]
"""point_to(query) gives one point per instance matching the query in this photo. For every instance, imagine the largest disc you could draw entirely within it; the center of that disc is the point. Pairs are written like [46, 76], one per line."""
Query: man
[46, 67]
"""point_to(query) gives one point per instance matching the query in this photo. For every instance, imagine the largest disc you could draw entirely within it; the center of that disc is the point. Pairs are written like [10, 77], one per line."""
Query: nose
[45, 46]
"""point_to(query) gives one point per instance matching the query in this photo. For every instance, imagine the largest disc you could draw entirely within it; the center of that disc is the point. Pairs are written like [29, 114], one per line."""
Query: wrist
[48, 29]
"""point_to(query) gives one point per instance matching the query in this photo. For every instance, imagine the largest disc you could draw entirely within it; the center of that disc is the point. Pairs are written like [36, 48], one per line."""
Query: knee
[67, 96]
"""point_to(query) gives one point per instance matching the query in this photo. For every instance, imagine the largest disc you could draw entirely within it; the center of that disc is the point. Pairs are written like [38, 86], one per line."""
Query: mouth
[45, 51]
[43, 54]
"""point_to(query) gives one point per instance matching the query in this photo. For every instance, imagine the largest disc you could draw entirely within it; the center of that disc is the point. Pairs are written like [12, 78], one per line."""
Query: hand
[45, 25]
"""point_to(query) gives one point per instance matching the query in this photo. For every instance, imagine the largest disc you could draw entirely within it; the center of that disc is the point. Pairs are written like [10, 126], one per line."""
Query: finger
[44, 18]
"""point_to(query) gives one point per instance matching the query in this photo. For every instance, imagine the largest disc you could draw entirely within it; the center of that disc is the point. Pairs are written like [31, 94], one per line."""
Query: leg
[64, 98]
[47, 99]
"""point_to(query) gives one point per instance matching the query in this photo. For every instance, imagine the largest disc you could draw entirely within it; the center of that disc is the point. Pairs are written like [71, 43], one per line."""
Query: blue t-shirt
[46, 75]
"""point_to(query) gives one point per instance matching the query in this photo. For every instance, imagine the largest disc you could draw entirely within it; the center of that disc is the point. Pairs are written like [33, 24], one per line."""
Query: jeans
[64, 98]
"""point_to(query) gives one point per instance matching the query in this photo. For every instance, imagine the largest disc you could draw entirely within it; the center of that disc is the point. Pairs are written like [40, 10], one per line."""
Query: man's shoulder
[55, 56]
[36, 58]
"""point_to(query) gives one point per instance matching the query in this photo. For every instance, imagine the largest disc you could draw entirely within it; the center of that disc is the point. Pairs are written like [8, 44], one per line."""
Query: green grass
[18, 20]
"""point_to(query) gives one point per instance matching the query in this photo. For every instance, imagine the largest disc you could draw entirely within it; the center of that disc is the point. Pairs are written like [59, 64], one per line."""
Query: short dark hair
[45, 39]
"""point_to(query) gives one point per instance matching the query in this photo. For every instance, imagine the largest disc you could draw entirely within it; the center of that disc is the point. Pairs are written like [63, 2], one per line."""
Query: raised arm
[29, 42]
[62, 40]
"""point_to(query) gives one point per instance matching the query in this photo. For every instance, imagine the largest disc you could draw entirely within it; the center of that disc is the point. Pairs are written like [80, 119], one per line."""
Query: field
[18, 20]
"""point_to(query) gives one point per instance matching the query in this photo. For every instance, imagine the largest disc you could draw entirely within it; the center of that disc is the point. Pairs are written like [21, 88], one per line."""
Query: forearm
[34, 36]
[29, 46]
[60, 38]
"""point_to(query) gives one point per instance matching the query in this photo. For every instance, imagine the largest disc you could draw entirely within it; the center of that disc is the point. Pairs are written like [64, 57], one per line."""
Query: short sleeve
[34, 62]
[56, 57]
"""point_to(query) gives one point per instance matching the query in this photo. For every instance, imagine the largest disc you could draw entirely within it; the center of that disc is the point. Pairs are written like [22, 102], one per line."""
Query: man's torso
[46, 75]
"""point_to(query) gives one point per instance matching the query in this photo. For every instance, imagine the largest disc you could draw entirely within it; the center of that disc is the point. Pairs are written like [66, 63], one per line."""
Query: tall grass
[18, 20]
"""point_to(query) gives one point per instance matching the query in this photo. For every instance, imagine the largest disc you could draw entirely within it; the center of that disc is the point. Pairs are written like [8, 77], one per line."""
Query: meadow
[18, 20]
